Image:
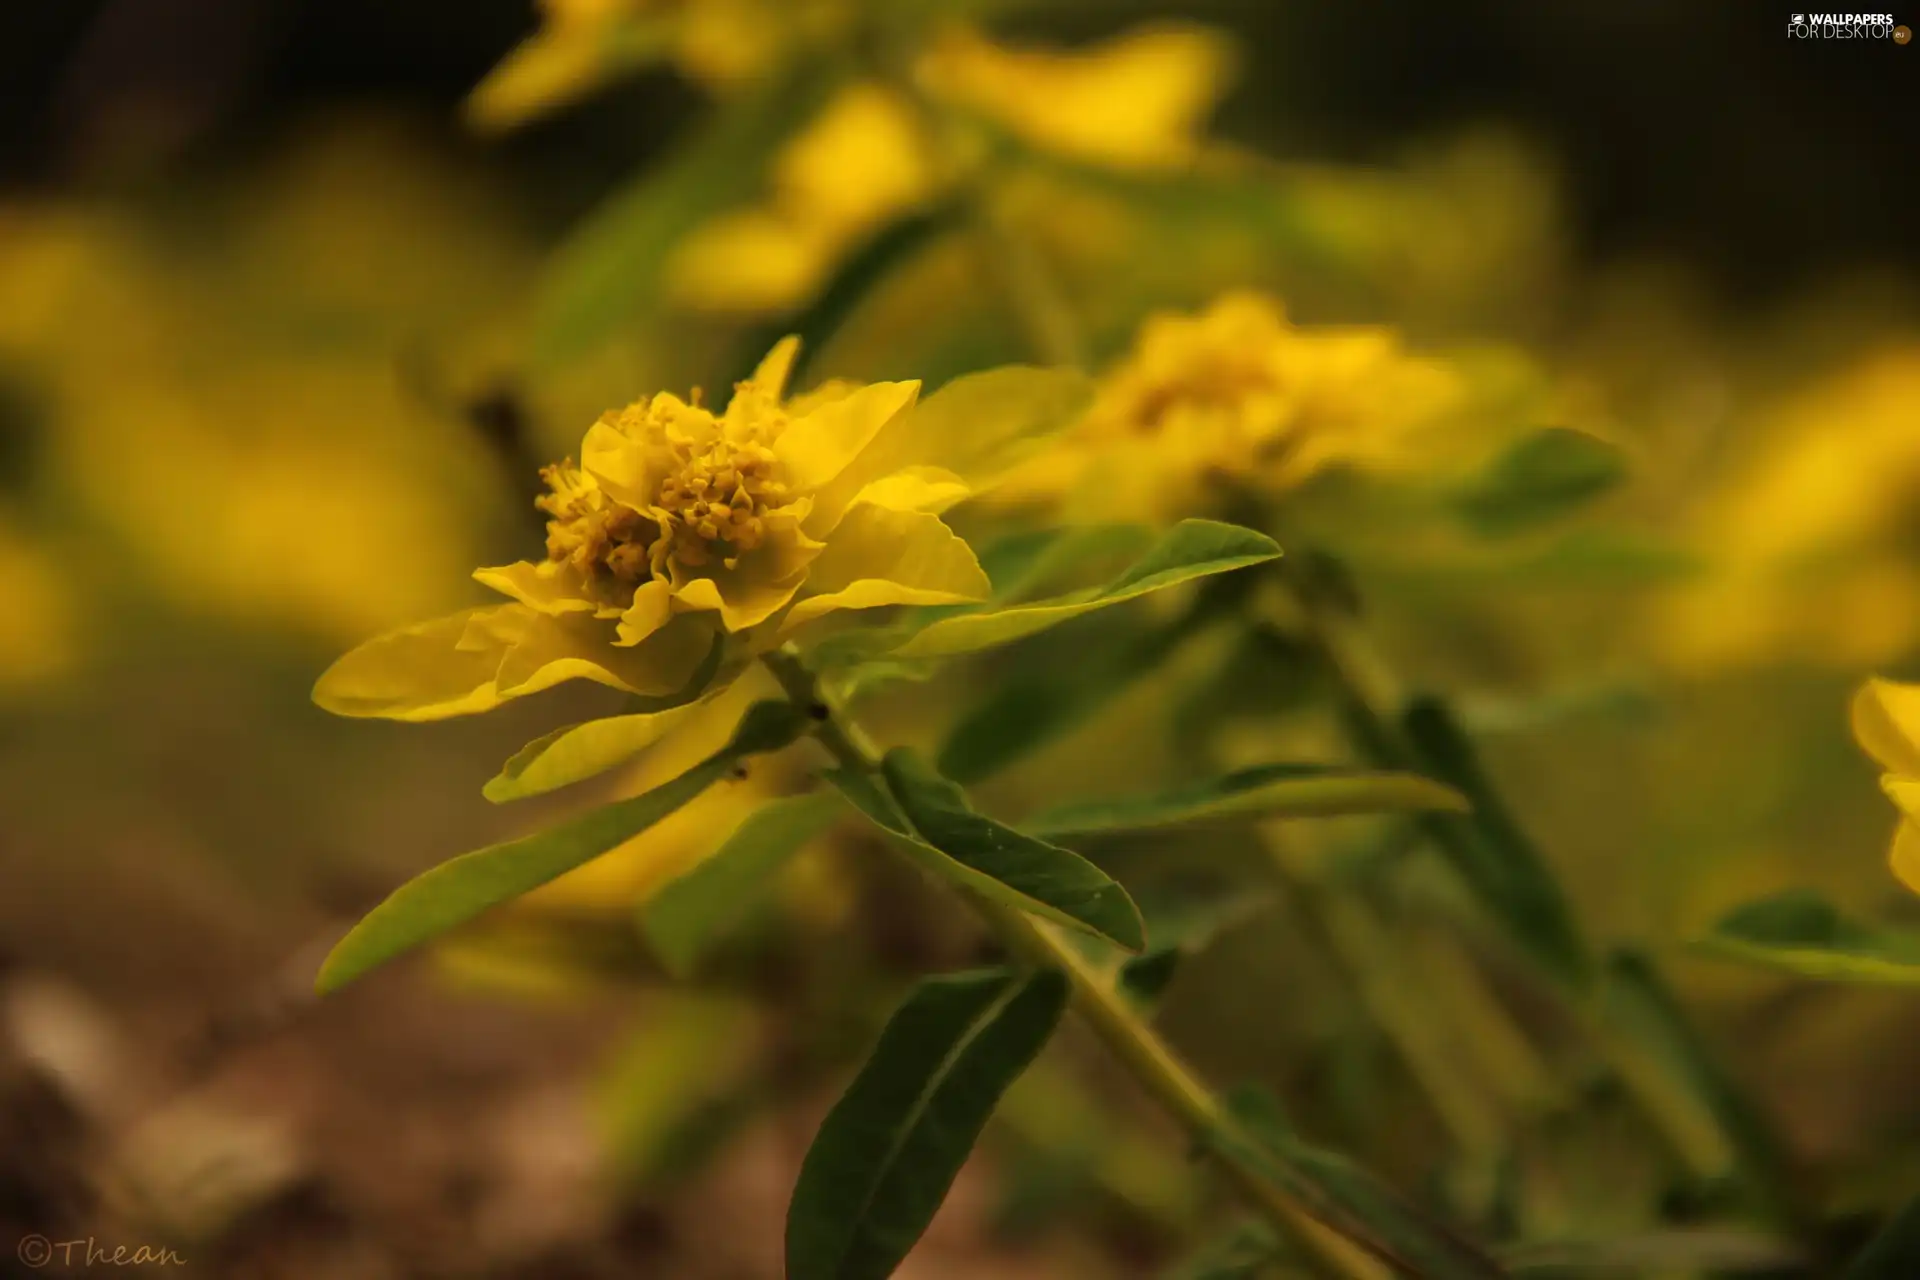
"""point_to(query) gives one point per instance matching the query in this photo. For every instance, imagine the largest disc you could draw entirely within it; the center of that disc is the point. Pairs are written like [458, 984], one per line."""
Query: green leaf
[581, 751]
[1345, 1197]
[1183, 918]
[1706, 1250]
[1637, 1001]
[1490, 851]
[1264, 791]
[459, 890]
[1894, 1254]
[1247, 1252]
[1072, 889]
[1031, 889]
[1191, 549]
[1028, 710]
[609, 272]
[1801, 933]
[578, 752]
[1543, 476]
[688, 915]
[890, 1149]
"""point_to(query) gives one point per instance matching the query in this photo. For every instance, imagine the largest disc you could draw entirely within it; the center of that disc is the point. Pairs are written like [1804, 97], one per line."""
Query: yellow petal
[1905, 858]
[771, 376]
[1904, 792]
[551, 650]
[821, 445]
[880, 556]
[1886, 722]
[742, 600]
[978, 427]
[421, 672]
[929, 489]
[546, 586]
[651, 609]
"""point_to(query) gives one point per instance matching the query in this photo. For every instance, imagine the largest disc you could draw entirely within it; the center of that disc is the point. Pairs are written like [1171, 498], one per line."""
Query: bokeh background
[265, 389]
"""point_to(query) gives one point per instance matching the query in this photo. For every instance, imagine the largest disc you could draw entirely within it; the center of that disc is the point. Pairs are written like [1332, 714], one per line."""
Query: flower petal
[929, 489]
[1905, 858]
[422, 672]
[1886, 721]
[820, 446]
[881, 556]
[979, 427]
[742, 600]
[547, 587]
[1904, 792]
[651, 610]
[551, 650]
[771, 375]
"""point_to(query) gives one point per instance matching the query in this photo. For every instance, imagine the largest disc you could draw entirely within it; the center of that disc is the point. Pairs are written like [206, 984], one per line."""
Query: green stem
[1127, 1036]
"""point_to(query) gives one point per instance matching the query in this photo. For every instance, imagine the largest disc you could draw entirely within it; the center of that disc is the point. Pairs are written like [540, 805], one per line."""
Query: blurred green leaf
[1490, 851]
[1637, 1000]
[1183, 918]
[689, 914]
[1800, 932]
[890, 1149]
[1030, 709]
[690, 1059]
[1261, 792]
[1542, 477]
[456, 891]
[993, 858]
[610, 271]
[1659, 1253]
[578, 752]
[554, 68]
[1340, 1194]
[1245, 1252]
[1894, 1254]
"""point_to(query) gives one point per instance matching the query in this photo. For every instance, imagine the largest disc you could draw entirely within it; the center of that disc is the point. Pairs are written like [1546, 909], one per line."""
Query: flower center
[716, 483]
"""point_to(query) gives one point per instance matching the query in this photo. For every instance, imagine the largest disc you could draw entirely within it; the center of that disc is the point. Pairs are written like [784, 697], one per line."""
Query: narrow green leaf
[1637, 1000]
[1345, 1197]
[1191, 549]
[456, 891]
[609, 272]
[1490, 851]
[1246, 1252]
[1070, 886]
[1033, 708]
[1894, 1254]
[1800, 932]
[890, 1149]
[1034, 888]
[1264, 791]
[689, 914]
[1658, 1253]
[1543, 476]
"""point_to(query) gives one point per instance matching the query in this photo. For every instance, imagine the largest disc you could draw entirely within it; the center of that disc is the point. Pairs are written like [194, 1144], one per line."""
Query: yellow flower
[1236, 395]
[583, 45]
[1886, 721]
[38, 629]
[1812, 537]
[683, 535]
[1134, 102]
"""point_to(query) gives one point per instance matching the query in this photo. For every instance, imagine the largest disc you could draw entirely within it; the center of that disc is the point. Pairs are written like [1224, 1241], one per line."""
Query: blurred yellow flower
[583, 45]
[1812, 538]
[37, 628]
[1886, 721]
[681, 531]
[1136, 101]
[1236, 396]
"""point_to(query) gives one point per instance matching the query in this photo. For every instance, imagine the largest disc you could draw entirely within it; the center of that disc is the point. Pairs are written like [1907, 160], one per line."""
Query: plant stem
[1127, 1036]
